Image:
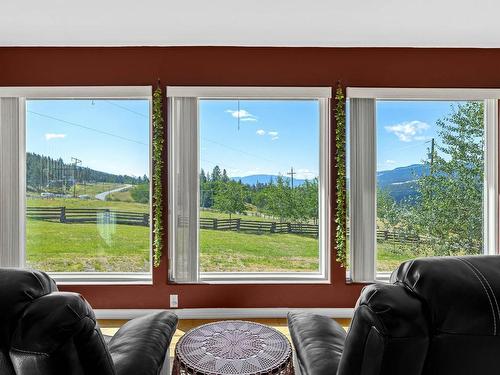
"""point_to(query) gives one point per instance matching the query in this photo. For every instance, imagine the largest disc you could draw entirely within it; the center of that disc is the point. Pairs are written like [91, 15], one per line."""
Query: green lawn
[57, 247]
[122, 196]
[238, 251]
[389, 258]
[88, 203]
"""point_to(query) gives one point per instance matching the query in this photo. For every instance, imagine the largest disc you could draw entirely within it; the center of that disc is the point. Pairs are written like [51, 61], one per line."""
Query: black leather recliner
[439, 316]
[43, 331]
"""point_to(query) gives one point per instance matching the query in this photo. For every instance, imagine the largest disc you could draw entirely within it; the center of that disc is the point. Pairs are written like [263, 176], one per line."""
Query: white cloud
[260, 132]
[50, 136]
[272, 134]
[389, 161]
[275, 138]
[242, 115]
[408, 131]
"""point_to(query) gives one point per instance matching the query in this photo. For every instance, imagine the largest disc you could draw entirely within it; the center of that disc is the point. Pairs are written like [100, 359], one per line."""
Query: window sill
[102, 278]
[381, 277]
[263, 278]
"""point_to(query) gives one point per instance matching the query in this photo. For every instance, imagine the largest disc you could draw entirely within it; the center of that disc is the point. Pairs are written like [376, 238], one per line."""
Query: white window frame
[77, 92]
[323, 95]
[491, 173]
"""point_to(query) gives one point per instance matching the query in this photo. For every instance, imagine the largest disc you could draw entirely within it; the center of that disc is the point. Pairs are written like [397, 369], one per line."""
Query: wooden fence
[397, 237]
[296, 228]
[258, 226]
[95, 215]
[87, 215]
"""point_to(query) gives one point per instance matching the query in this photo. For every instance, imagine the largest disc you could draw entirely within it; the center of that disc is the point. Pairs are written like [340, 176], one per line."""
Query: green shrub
[140, 193]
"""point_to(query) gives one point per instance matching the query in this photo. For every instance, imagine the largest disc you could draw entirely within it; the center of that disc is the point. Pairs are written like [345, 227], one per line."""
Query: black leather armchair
[43, 331]
[438, 316]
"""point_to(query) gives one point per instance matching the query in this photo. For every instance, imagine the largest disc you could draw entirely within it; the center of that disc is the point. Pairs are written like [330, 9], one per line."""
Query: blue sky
[107, 135]
[405, 129]
[273, 136]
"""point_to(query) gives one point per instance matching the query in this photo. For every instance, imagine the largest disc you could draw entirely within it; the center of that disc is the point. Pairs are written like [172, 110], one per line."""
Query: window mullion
[184, 181]
[363, 190]
[491, 177]
[11, 215]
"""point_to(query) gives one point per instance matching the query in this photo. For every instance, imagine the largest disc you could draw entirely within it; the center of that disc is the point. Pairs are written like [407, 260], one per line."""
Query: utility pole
[432, 155]
[75, 162]
[291, 173]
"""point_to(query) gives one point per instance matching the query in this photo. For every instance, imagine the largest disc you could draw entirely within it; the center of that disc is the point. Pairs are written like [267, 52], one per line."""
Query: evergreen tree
[216, 174]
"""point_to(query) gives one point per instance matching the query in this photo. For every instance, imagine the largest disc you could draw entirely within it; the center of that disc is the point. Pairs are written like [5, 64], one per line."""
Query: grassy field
[60, 247]
[90, 203]
[121, 196]
[388, 258]
[54, 246]
[237, 251]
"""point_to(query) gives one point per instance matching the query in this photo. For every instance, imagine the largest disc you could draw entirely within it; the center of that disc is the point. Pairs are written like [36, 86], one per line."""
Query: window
[428, 165]
[249, 187]
[85, 183]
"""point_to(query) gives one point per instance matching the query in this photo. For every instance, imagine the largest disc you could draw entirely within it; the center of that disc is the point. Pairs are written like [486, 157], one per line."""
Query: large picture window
[84, 182]
[430, 166]
[257, 210]
[87, 185]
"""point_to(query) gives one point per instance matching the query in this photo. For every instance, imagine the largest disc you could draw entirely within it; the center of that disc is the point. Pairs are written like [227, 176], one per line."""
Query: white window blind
[183, 190]
[362, 199]
[11, 168]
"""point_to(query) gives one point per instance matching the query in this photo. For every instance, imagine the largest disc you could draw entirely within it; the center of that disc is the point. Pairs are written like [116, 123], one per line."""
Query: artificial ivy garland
[340, 162]
[157, 173]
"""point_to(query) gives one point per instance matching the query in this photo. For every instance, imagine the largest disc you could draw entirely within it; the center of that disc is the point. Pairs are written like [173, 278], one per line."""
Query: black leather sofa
[438, 316]
[43, 331]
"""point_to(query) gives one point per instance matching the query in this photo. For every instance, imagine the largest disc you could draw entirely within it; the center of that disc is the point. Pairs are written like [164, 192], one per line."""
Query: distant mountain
[252, 180]
[402, 182]
[402, 174]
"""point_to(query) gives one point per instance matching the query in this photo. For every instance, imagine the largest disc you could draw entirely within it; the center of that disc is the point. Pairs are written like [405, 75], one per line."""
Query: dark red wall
[395, 67]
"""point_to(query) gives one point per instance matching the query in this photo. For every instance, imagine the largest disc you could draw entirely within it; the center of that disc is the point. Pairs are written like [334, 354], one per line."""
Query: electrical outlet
[174, 301]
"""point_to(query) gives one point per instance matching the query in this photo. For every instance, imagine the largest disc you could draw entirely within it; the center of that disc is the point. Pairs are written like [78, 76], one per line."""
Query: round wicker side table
[233, 348]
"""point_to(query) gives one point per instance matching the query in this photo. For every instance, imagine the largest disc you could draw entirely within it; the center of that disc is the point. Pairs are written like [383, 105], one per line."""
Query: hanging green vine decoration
[157, 174]
[340, 163]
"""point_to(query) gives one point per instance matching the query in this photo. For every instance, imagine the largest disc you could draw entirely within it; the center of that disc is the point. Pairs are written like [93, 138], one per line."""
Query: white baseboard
[224, 313]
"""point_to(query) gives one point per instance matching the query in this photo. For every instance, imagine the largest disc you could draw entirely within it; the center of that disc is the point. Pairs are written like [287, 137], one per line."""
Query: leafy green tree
[280, 202]
[388, 211]
[306, 201]
[449, 209]
[230, 198]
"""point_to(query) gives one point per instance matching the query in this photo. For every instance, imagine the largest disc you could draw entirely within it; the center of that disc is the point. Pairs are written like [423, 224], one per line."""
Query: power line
[225, 166]
[237, 150]
[87, 128]
[421, 143]
[126, 108]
